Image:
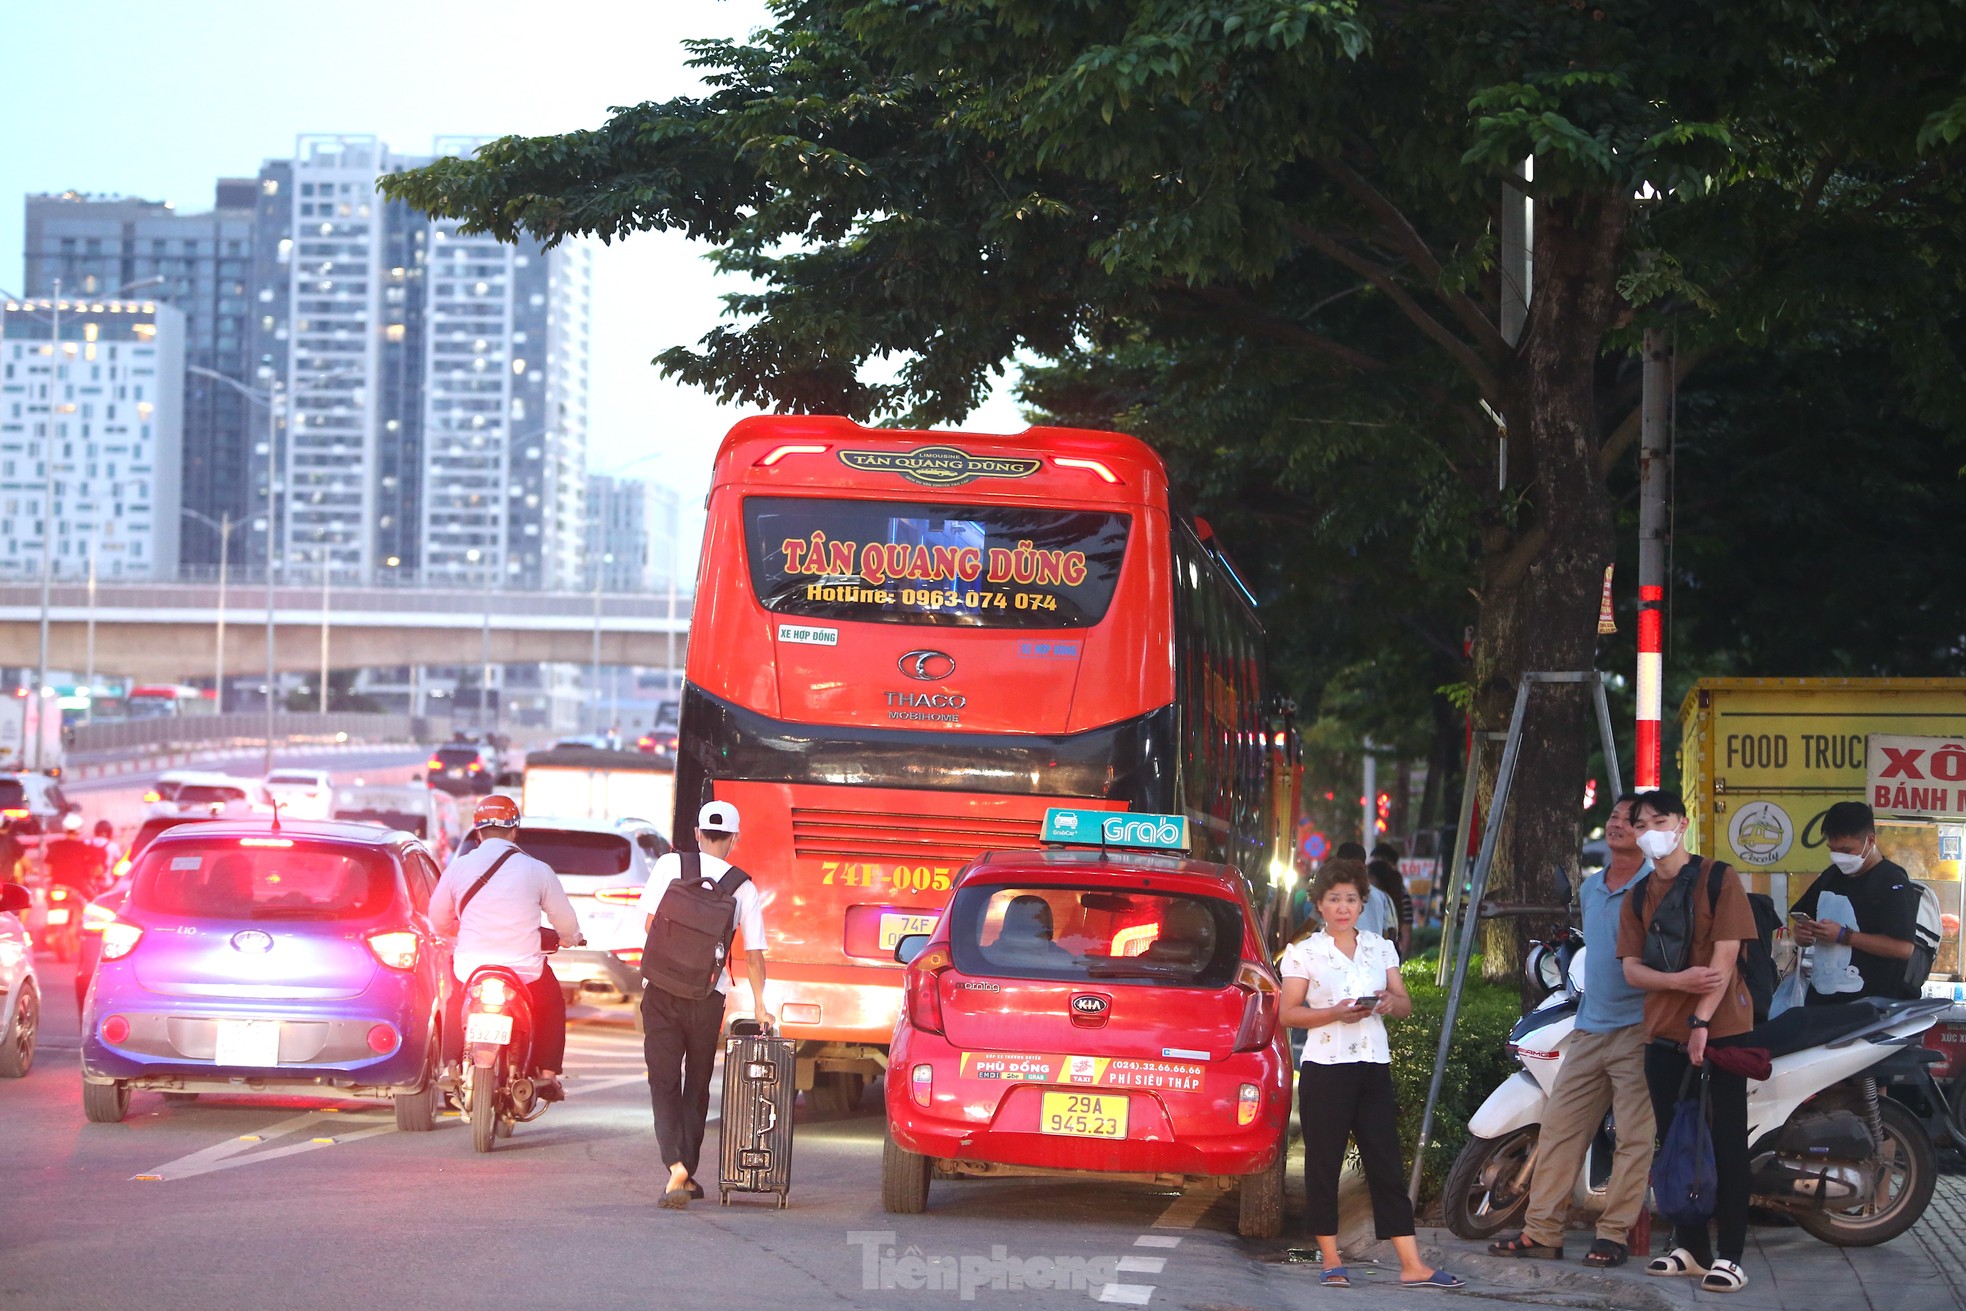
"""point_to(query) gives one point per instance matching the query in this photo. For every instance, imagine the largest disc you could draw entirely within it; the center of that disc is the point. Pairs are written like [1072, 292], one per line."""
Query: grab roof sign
[1108, 828]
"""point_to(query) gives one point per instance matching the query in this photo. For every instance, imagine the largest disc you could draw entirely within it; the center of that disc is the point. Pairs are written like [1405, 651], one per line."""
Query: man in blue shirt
[1603, 1068]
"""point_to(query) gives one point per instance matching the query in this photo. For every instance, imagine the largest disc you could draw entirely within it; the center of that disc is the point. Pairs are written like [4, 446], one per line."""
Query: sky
[131, 97]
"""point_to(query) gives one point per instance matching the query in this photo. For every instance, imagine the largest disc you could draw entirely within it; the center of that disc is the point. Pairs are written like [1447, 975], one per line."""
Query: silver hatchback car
[603, 870]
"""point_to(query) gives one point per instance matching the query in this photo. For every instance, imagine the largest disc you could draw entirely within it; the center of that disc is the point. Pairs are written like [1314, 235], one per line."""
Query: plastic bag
[1789, 993]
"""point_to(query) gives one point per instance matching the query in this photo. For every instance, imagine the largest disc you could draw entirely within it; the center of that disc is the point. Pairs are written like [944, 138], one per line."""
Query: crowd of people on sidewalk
[1667, 935]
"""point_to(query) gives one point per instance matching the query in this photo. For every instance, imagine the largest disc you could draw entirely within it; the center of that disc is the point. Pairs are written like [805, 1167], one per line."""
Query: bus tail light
[783, 451]
[396, 949]
[924, 989]
[1259, 1008]
[921, 1083]
[1090, 466]
[119, 938]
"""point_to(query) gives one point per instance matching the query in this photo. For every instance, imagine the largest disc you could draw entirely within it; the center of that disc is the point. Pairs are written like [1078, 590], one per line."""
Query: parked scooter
[498, 1091]
[1854, 1175]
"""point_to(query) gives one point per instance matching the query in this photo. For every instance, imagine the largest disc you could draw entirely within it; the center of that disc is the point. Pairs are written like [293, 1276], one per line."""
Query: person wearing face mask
[1703, 998]
[1881, 895]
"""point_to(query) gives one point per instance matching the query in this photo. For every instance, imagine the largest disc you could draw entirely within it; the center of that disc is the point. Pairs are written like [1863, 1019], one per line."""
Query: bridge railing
[71, 595]
[163, 733]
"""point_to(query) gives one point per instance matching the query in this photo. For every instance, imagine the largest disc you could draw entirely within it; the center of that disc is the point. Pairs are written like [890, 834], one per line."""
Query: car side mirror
[14, 898]
[910, 946]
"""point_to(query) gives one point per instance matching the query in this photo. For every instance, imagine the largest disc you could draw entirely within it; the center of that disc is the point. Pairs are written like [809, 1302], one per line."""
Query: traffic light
[1383, 808]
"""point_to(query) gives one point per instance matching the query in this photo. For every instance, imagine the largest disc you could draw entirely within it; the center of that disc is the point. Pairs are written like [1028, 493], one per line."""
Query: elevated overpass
[164, 632]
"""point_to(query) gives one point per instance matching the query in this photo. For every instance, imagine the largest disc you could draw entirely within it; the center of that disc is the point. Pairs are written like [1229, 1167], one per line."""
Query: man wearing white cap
[679, 1032]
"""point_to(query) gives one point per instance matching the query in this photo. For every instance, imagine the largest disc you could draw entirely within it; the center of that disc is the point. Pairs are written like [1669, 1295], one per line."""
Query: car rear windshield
[458, 755]
[152, 827]
[1096, 935]
[194, 793]
[255, 879]
[984, 566]
[12, 795]
[293, 780]
[575, 851]
[402, 819]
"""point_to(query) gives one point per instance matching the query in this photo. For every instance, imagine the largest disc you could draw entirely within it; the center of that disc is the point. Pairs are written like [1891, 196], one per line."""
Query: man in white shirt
[498, 924]
[679, 1034]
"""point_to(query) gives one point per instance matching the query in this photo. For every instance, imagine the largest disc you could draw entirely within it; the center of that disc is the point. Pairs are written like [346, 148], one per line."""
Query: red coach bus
[907, 645]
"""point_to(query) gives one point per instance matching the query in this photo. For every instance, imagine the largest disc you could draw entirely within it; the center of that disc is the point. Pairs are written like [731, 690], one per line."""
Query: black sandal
[1521, 1246]
[1604, 1254]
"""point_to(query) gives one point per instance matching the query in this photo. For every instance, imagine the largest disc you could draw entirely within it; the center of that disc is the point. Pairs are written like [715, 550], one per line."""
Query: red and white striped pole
[1654, 475]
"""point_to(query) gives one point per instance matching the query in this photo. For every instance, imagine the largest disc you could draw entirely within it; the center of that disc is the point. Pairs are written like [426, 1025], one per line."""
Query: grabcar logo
[1162, 832]
[940, 466]
[927, 666]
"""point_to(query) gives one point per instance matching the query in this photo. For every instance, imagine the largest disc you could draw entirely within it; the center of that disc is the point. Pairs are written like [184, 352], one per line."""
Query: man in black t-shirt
[1879, 891]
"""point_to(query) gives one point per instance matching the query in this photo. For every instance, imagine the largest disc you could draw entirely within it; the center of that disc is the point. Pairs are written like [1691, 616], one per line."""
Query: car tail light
[1249, 1100]
[433, 763]
[781, 452]
[15, 812]
[382, 1039]
[96, 918]
[628, 955]
[477, 767]
[119, 938]
[491, 993]
[924, 994]
[396, 949]
[619, 896]
[921, 1083]
[122, 868]
[152, 795]
[115, 1029]
[1259, 1009]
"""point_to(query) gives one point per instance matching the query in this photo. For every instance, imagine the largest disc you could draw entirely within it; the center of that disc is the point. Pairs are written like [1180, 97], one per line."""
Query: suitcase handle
[749, 1029]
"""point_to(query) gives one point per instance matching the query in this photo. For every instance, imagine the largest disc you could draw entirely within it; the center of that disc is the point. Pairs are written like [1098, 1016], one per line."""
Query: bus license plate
[480, 1027]
[1082, 1115]
[247, 1044]
[896, 927]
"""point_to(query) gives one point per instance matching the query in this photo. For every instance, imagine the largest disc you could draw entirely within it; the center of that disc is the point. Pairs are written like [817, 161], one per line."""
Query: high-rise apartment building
[200, 263]
[91, 414]
[632, 527]
[434, 383]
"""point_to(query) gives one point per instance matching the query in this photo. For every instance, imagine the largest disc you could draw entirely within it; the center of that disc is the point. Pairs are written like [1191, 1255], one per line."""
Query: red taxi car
[1101, 1011]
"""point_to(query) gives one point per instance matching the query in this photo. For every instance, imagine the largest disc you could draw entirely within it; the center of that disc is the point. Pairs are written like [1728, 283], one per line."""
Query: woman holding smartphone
[1341, 985]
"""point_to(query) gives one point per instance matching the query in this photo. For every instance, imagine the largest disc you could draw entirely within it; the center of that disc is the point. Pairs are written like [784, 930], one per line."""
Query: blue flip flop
[1335, 1277]
[1438, 1279]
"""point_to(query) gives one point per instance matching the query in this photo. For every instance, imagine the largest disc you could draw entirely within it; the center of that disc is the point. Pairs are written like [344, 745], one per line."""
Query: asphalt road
[255, 1202]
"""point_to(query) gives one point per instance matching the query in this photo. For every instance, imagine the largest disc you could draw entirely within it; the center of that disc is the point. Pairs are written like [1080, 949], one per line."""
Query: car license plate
[1082, 1115]
[457, 773]
[58, 915]
[248, 1044]
[481, 1027]
[896, 927]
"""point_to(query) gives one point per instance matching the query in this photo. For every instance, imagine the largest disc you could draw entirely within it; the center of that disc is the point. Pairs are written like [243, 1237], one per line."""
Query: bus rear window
[986, 566]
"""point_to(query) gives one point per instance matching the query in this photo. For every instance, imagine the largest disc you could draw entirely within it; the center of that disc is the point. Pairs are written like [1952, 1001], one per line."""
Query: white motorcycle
[1855, 1176]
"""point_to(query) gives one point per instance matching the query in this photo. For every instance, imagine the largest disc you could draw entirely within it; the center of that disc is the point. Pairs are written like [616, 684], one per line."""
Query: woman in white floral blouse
[1340, 984]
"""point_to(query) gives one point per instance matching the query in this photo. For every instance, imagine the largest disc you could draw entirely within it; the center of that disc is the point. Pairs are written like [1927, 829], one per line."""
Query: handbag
[1685, 1179]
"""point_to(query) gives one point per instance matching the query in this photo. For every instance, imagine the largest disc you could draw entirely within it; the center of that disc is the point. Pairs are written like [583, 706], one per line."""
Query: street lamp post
[223, 526]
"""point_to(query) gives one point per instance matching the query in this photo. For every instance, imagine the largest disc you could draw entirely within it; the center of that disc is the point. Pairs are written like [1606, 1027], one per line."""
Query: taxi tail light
[921, 1083]
[1249, 1100]
[1259, 1009]
[396, 948]
[619, 896]
[924, 990]
[119, 938]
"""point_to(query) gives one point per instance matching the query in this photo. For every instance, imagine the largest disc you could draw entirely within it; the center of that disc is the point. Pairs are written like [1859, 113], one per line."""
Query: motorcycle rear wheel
[1487, 1191]
[1908, 1171]
[486, 1086]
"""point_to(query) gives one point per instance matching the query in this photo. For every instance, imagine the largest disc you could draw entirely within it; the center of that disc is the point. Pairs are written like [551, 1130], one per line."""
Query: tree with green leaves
[1289, 208]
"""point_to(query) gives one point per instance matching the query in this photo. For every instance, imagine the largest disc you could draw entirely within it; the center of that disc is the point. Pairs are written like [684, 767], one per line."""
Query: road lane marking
[1187, 1208]
[1156, 1240]
[1141, 1265]
[238, 1150]
[1126, 1294]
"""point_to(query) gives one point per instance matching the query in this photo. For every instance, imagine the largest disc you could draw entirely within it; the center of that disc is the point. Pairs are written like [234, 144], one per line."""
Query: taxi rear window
[979, 566]
[264, 879]
[1096, 935]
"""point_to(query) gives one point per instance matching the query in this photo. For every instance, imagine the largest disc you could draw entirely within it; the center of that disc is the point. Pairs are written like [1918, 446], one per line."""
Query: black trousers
[679, 1042]
[1354, 1101]
[549, 1021]
[1727, 1102]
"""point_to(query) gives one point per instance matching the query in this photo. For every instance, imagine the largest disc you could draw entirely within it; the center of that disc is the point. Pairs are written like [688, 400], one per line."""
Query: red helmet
[497, 810]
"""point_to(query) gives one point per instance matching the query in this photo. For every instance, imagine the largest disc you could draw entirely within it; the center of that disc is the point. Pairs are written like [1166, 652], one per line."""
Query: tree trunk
[1542, 574]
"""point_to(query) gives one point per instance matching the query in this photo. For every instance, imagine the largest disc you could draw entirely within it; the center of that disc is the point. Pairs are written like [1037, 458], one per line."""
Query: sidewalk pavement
[1924, 1270]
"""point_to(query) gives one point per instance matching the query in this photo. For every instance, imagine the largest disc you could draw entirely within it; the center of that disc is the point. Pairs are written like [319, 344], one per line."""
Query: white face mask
[1847, 863]
[1658, 843]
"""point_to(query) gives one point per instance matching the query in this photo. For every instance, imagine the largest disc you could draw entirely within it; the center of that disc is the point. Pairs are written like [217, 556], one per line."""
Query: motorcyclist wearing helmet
[105, 839]
[500, 926]
[75, 861]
